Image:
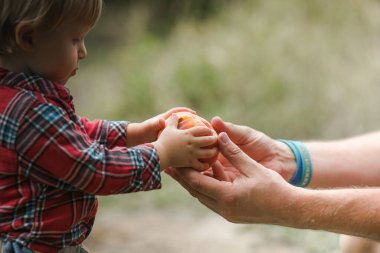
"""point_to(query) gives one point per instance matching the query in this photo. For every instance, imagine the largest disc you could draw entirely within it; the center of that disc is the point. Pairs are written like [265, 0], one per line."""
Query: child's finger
[154, 124]
[200, 131]
[206, 153]
[204, 141]
[161, 123]
[199, 166]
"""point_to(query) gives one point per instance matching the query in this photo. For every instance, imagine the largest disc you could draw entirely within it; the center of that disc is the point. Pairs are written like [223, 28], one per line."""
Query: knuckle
[195, 184]
[234, 151]
[207, 153]
[258, 135]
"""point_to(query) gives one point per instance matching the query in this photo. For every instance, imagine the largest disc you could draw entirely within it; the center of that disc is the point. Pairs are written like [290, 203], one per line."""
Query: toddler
[53, 163]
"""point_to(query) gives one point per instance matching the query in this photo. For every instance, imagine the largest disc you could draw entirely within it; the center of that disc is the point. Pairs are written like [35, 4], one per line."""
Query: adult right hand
[272, 154]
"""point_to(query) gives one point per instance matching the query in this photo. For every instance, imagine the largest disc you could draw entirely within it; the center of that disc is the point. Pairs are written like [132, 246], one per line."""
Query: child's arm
[126, 134]
[57, 151]
[108, 133]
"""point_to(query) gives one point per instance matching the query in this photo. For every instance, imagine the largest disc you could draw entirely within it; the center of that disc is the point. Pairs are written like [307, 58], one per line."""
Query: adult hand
[260, 147]
[256, 195]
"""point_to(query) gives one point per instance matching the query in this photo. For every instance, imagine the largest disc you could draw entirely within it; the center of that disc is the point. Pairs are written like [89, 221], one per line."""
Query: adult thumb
[240, 160]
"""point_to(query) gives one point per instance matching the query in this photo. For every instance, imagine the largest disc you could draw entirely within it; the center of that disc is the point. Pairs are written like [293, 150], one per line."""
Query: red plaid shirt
[53, 163]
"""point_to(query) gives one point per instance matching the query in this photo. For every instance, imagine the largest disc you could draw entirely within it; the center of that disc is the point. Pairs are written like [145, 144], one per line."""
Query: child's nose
[82, 52]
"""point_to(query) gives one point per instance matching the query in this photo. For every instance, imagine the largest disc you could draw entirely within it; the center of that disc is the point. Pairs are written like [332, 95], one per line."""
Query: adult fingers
[175, 175]
[209, 191]
[182, 176]
[209, 202]
[212, 205]
[237, 133]
[241, 161]
[218, 124]
[218, 171]
[200, 184]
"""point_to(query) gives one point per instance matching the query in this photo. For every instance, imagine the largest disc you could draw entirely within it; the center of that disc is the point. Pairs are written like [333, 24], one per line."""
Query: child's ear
[24, 36]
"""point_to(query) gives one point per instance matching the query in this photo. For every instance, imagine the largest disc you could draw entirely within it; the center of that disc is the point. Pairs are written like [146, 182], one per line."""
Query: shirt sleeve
[57, 151]
[107, 133]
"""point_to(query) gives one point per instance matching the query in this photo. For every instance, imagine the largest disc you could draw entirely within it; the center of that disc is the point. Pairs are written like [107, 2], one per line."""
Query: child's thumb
[172, 121]
[160, 123]
[240, 160]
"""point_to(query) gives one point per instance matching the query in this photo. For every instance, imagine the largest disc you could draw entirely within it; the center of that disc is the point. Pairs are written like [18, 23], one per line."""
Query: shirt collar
[35, 83]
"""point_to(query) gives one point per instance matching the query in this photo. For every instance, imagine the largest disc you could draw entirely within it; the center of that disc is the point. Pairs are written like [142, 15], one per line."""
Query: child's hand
[184, 148]
[144, 132]
[147, 131]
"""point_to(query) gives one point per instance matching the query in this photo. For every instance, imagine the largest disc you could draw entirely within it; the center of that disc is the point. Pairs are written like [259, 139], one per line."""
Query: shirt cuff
[151, 175]
[115, 133]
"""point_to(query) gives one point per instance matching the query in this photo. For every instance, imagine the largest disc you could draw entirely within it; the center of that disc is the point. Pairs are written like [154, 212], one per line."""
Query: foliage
[164, 14]
[292, 69]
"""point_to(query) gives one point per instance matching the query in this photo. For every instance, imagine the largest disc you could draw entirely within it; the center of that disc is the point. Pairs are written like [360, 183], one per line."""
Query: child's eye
[77, 40]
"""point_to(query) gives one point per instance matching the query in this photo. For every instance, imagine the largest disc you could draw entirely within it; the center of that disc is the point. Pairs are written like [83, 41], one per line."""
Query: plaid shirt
[53, 163]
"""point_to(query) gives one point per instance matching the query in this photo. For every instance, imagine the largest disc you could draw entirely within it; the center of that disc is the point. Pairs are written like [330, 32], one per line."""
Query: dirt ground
[179, 232]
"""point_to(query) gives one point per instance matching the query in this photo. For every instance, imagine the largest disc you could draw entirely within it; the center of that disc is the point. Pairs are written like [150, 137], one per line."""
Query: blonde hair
[46, 15]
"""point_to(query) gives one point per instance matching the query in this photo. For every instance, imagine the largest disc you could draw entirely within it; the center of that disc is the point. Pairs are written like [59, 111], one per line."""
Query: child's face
[57, 54]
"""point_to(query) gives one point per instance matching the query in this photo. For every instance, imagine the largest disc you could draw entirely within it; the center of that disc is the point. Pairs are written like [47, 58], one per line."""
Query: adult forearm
[347, 211]
[349, 162]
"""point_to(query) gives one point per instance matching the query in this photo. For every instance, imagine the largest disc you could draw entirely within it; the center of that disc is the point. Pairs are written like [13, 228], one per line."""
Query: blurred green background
[292, 69]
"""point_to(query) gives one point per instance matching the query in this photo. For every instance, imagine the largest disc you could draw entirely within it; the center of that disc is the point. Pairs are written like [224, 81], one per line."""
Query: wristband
[304, 170]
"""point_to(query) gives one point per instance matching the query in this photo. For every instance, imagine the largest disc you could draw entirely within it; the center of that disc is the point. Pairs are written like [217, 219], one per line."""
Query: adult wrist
[299, 214]
[304, 169]
[287, 160]
[291, 198]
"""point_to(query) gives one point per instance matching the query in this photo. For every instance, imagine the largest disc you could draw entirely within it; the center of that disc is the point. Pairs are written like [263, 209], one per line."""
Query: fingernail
[224, 138]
